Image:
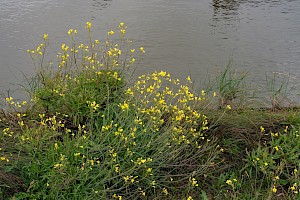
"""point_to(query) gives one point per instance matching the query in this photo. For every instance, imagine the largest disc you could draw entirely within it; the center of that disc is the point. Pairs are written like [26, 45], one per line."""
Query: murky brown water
[194, 37]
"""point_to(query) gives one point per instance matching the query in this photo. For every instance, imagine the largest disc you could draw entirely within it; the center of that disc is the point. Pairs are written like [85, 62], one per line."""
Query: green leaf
[204, 196]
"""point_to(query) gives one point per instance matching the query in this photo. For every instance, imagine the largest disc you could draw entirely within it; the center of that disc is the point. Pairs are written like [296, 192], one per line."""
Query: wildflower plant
[278, 161]
[89, 72]
[90, 135]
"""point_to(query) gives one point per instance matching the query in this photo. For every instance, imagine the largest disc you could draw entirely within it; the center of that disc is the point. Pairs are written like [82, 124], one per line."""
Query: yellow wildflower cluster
[127, 132]
[141, 161]
[89, 56]
[189, 198]
[166, 107]
[232, 182]
[111, 32]
[88, 25]
[72, 32]
[107, 127]
[295, 188]
[40, 50]
[51, 122]
[274, 189]
[122, 28]
[7, 132]
[93, 105]
[9, 100]
[193, 182]
[124, 106]
[4, 158]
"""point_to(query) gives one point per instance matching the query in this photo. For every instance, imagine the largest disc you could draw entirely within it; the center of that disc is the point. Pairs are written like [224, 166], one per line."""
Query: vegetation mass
[89, 132]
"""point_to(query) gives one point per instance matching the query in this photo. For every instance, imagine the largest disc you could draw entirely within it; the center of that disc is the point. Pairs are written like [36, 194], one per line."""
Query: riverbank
[89, 132]
[253, 156]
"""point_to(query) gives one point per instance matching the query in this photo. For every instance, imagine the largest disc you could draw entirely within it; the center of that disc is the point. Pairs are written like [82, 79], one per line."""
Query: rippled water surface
[194, 37]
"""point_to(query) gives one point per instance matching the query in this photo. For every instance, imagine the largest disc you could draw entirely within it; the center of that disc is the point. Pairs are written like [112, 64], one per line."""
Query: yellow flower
[64, 47]
[9, 100]
[123, 31]
[57, 165]
[111, 32]
[93, 105]
[229, 182]
[129, 91]
[76, 154]
[21, 123]
[274, 190]
[165, 191]
[80, 46]
[142, 49]
[132, 60]
[294, 187]
[45, 37]
[189, 198]
[70, 31]
[193, 182]
[189, 79]
[124, 106]
[116, 169]
[153, 183]
[88, 25]
[121, 24]
[286, 129]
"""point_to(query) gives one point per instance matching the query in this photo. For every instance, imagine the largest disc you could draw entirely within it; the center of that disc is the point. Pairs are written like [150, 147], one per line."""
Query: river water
[191, 37]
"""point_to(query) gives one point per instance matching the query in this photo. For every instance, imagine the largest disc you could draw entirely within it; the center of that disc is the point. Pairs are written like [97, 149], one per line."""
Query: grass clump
[258, 154]
[230, 87]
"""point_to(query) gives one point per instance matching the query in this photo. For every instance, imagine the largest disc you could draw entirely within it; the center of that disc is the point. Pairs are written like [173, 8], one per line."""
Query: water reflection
[97, 6]
[100, 4]
[225, 17]
[225, 5]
